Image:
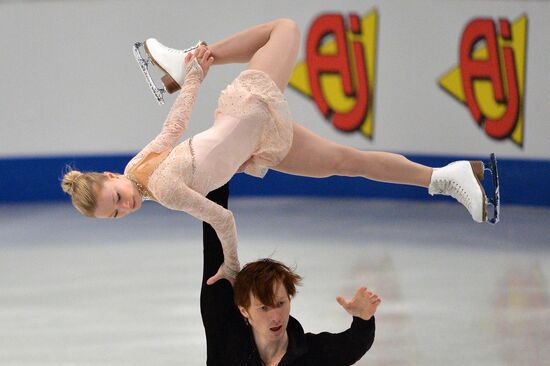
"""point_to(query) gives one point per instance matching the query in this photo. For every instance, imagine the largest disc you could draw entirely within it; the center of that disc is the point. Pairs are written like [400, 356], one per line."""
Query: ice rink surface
[78, 291]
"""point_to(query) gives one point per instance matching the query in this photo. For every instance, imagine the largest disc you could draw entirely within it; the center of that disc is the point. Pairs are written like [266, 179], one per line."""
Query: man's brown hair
[258, 278]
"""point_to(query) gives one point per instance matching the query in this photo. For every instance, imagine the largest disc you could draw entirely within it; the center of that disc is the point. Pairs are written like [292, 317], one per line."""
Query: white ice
[78, 291]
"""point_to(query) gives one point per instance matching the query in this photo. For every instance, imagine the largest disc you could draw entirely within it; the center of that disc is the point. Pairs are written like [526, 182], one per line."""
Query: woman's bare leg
[241, 46]
[271, 47]
[313, 156]
[277, 57]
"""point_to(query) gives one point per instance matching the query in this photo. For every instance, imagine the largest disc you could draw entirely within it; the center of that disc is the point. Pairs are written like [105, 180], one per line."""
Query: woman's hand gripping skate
[363, 304]
[203, 57]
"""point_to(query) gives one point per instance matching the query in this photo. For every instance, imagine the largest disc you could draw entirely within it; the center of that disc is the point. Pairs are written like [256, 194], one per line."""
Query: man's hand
[363, 304]
[204, 58]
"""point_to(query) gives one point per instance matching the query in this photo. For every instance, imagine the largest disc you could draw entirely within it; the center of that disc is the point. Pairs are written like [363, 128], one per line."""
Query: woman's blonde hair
[82, 188]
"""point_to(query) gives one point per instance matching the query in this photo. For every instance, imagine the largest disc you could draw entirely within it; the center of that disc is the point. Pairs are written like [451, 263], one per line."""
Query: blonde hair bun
[69, 180]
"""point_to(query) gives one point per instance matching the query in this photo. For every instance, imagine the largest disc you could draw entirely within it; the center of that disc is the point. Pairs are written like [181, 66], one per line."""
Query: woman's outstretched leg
[313, 156]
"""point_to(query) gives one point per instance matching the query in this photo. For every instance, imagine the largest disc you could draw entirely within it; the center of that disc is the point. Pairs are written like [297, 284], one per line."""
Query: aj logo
[490, 77]
[339, 68]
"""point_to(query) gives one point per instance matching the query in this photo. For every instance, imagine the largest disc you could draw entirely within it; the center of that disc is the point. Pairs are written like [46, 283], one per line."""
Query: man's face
[269, 322]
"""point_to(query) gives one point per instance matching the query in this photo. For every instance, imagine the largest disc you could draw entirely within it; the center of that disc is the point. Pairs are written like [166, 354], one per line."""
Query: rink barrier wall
[32, 179]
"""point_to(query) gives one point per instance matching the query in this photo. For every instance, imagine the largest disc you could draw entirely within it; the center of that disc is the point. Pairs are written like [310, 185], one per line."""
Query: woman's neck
[143, 191]
[271, 352]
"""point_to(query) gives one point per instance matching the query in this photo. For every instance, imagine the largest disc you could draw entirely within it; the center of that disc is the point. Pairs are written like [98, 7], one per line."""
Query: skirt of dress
[254, 93]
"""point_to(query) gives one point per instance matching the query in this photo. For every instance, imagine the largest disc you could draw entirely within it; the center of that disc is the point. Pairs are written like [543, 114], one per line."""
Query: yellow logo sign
[490, 77]
[338, 72]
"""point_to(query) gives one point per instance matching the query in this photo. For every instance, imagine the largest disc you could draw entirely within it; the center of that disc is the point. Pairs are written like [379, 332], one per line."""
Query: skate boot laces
[451, 187]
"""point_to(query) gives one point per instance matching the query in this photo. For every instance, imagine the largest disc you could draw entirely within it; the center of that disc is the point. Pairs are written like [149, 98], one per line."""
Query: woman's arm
[182, 198]
[220, 316]
[218, 308]
[178, 118]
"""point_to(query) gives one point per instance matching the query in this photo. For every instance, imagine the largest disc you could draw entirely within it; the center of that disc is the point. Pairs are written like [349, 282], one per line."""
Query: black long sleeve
[345, 348]
[219, 314]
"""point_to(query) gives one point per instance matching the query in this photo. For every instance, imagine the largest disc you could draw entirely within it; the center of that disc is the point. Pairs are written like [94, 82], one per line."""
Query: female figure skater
[252, 132]
[251, 324]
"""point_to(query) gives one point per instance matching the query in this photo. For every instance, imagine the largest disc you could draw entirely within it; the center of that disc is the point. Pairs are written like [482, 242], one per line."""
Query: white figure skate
[462, 181]
[169, 62]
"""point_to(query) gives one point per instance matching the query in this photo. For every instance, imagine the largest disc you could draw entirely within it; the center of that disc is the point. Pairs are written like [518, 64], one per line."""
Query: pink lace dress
[252, 132]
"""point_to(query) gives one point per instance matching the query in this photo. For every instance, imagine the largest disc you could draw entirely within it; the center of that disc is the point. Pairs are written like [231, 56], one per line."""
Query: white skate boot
[169, 62]
[462, 181]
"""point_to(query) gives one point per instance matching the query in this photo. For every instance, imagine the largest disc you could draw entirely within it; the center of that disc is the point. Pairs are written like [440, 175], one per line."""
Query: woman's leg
[241, 46]
[313, 156]
[271, 47]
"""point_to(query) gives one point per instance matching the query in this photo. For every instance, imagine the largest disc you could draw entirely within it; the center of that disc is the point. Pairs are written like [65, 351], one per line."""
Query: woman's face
[269, 322]
[117, 198]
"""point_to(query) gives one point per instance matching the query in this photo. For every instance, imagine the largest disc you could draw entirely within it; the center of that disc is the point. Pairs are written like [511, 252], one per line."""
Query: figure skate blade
[494, 201]
[144, 63]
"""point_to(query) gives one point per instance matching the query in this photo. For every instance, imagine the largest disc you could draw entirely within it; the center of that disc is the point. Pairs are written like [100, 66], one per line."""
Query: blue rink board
[523, 182]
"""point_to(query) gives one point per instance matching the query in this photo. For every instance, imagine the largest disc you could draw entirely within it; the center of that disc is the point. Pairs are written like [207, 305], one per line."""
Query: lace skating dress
[252, 132]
